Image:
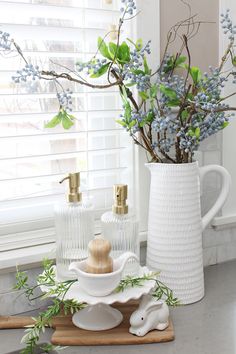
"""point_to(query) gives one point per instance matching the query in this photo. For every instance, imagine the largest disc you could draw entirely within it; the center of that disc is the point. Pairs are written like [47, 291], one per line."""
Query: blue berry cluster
[227, 25]
[165, 144]
[28, 72]
[213, 123]
[128, 7]
[142, 81]
[138, 116]
[91, 67]
[131, 71]
[5, 41]
[162, 123]
[188, 143]
[65, 100]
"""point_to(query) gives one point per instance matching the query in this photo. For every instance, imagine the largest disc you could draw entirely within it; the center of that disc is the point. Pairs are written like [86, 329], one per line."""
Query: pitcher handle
[226, 182]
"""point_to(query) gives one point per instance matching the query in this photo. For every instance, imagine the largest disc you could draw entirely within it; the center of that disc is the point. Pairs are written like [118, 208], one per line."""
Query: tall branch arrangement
[167, 111]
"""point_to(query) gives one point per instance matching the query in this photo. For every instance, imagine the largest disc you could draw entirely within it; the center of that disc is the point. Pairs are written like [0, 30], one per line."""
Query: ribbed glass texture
[122, 232]
[74, 229]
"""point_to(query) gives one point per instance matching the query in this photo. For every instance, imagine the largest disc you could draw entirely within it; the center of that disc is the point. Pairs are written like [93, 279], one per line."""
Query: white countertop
[207, 327]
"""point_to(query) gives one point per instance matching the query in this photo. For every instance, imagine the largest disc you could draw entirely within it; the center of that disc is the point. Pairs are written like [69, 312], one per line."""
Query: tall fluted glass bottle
[120, 227]
[74, 222]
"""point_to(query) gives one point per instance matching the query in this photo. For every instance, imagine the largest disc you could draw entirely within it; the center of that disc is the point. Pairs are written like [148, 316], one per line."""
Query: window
[55, 34]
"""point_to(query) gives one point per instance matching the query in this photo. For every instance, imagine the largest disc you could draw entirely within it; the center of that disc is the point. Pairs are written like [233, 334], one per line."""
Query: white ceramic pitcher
[175, 225]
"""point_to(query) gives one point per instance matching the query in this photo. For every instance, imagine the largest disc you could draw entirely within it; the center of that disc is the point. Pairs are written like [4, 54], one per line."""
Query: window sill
[31, 257]
[26, 258]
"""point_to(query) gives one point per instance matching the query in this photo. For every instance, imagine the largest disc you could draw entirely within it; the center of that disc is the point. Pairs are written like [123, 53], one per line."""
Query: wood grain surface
[67, 334]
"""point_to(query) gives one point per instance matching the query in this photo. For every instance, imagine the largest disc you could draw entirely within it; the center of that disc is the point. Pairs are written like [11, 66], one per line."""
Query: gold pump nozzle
[74, 184]
[120, 195]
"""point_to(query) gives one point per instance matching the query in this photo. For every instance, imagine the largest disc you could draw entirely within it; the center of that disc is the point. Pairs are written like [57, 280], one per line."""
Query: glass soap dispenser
[74, 222]
[120, 227]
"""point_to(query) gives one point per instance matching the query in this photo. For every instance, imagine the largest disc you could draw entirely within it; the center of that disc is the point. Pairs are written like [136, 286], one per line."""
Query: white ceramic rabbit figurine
[151, 314]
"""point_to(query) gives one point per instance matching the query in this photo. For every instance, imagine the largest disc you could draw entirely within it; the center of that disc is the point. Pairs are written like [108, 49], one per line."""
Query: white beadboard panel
[226, 252]
[233, 235]
[209, 256]
[213, 238]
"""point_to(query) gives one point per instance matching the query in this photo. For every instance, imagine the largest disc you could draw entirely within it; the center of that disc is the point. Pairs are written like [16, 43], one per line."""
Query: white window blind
[53, 34]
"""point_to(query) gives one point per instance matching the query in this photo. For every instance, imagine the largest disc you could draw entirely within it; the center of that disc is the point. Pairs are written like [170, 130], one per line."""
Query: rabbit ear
[145, 301]
[154, 305]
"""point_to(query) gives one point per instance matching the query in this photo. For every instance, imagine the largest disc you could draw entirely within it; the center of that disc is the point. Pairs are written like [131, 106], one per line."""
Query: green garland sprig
[58, 290]
[161, 291]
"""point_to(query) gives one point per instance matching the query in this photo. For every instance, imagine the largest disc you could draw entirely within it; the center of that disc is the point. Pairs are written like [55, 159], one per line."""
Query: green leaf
[121, 122]
[143, 95]
[234, 61]
[153, 91]
[168, 92]
[67, 122]
[184, 115]
[191, 132]
[139, 44]
[124, 53]
[194, 132]
[131, 84]
[102, 47]
[224, 125]
[195, 73]
[150, 116]
[54, 121]
[197, 132]
[173, 103]
[179, 61]
[138, 72]
[101, 71]
[132, 124]
[124, 95]
[128, 111]
[147, 70]
[190, 96]
[113, 50]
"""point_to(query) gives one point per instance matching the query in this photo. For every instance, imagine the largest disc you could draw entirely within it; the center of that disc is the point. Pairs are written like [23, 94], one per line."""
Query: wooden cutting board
[14, 322]
[67, 334]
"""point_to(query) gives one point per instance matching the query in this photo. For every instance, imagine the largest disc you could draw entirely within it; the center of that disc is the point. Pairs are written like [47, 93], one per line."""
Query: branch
[189, 58]
[68, 77]
[224, 58]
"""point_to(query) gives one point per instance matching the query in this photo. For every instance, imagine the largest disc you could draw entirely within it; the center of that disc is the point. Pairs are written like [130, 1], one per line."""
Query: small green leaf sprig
[161, 291]
[58, 291]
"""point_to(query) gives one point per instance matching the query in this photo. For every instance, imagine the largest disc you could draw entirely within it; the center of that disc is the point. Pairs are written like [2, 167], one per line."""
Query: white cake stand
[99, 315]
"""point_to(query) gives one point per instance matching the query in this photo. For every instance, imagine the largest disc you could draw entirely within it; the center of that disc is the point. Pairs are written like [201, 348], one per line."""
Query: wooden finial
[99, 261]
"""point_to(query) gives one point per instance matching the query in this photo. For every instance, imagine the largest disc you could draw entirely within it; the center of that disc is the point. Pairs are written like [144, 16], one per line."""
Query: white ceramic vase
[175, 225]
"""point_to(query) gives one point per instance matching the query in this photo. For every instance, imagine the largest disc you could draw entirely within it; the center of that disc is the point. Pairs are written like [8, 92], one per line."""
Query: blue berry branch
[178, 106]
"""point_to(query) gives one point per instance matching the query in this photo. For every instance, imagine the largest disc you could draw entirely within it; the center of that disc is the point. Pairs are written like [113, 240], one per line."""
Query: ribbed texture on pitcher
[175, 229]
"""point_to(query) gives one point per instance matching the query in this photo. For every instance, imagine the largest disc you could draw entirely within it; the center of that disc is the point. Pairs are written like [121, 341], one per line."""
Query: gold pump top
[120, 195]
[74, 184]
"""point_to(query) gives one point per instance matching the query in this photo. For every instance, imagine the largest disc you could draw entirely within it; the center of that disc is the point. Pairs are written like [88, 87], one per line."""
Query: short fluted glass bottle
[74, 223]
[120, 227]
